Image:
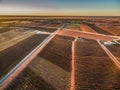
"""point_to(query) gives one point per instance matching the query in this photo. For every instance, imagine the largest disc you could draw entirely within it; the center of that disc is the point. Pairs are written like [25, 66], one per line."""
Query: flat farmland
[93, 68]
[86, 28]
[111, 29]
[99, 30]
[58, 51]
[57, 55]
[89, 48]
[50, 69]
[74, 27]
[14, 54]
[57, 25]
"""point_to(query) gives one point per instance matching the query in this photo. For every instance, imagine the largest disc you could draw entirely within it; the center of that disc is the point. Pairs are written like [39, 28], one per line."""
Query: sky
[60, 7]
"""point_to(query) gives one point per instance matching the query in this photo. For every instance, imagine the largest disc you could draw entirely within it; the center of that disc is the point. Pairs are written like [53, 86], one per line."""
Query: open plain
[59, 53]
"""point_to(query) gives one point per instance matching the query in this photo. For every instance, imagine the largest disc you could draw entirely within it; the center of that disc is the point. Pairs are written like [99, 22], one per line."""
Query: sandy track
[73, 67]
[87, 35]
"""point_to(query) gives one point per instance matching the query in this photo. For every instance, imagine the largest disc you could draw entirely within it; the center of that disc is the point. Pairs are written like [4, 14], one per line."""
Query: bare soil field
[58, 51]
[56, 76]
[50, 70]
[89, 48]
[96, 73]
[13, 55]
[73, 27]
[94, 27]
[111, 29]
[53, 25]
[86, 28]
[93, 68]
[29, 80]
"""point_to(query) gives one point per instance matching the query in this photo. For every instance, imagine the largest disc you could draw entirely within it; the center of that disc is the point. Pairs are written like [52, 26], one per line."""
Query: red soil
[86, 35]
[86, 28]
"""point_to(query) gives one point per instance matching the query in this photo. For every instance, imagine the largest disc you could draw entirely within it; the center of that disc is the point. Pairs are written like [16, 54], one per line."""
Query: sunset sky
[60, 7]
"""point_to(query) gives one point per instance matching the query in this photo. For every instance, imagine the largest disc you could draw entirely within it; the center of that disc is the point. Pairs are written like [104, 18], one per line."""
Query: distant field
[111, 29]
[99, 30]
[53, 25]
[74, 27]
[12, 55]
[12, 37]
[58, 51]
[43, 29]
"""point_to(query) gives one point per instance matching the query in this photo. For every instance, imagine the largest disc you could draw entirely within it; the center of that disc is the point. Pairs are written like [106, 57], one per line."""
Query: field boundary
[72, 87]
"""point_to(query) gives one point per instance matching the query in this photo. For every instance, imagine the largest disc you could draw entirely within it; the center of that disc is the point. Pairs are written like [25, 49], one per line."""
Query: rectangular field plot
[14, 54]
[55, 62]
[89, 48]
[58, 51]
[93, 68]
[99, 30]
[74, 27]
[96, 73]
[111, 29]
[50, 69]
[57, 25]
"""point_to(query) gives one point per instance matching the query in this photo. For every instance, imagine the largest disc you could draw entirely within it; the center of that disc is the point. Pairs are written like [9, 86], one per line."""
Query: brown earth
[58, 51]
[99, 30]
[74, 27]
[50, 70]
[94, 69]
[86, 28]
[111, 29]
